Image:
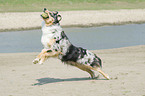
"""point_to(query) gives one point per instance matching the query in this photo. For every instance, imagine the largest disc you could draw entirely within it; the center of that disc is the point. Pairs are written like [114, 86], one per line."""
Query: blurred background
[65, 5]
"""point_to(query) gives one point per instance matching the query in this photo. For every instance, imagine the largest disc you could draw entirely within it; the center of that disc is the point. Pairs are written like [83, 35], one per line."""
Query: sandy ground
[31, 20]
[126, 67]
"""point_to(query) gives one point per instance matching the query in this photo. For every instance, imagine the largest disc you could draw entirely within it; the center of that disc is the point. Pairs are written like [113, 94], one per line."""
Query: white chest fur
[47, 33]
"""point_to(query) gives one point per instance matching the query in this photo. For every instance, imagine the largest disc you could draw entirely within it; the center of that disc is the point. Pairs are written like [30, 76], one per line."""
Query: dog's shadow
[48, 80]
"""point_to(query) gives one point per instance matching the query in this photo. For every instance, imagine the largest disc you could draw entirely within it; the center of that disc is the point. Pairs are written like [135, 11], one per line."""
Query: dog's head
[50, 18]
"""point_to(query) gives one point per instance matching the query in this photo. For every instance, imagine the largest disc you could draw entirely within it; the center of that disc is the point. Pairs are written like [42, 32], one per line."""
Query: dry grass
[65, 5]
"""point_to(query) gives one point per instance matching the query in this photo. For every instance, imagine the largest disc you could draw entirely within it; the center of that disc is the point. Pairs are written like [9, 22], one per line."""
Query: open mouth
[44, 15]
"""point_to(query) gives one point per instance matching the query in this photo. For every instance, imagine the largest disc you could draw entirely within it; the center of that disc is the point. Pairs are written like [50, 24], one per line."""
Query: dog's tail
[100, 61]
[97, 62]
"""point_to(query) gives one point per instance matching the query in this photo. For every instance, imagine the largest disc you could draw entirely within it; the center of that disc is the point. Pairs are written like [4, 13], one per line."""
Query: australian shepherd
[57, 44]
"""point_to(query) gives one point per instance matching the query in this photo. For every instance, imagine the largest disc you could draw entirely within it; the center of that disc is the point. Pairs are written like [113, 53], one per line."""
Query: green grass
[65, 5]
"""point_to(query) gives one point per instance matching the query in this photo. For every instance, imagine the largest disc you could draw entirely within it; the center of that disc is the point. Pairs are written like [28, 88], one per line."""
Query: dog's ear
[44, 9]
[59, 17]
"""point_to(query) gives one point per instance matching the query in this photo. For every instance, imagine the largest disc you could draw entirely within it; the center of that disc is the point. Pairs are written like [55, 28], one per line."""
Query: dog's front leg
[47, 54]
[35, 61]
[43, 58]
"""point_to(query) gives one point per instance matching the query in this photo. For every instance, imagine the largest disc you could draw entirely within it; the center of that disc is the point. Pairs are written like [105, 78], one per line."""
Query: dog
[57, 44]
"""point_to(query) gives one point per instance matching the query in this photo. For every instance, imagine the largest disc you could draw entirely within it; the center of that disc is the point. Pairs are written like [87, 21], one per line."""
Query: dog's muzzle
[44, 15]
[54, 15]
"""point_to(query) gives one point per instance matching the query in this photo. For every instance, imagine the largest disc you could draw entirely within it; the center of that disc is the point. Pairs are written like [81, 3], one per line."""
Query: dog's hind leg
[91, 73]
[84, 68]
[104, 74]
[95, 69]
[100, 71]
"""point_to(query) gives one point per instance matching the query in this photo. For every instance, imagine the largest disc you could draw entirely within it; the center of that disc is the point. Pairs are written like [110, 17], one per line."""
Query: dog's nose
[44, 9]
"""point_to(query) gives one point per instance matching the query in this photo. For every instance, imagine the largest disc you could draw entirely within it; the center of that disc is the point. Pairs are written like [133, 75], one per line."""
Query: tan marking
[88, 69]
[51, 42]
[49, 21]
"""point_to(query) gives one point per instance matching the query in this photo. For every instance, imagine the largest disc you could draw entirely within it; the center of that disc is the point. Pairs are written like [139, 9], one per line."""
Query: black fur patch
[97, 62]
[82, 52]
[49, 50]
[57, 41]
[63, 35]
[72, 54]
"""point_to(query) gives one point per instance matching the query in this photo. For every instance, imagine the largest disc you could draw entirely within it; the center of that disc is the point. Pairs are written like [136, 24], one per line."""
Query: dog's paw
[35, 61]
[40, 62]
[107, 77]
